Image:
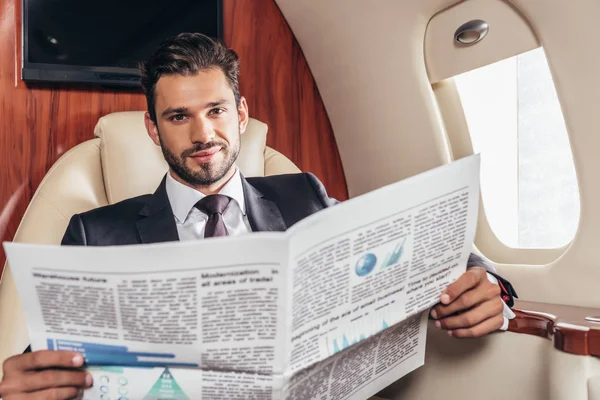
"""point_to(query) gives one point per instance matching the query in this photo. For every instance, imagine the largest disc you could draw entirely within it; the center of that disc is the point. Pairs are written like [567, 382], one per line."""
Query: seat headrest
[125, 146]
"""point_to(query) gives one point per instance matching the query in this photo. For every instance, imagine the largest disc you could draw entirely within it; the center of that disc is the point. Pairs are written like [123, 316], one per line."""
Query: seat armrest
[574, 330]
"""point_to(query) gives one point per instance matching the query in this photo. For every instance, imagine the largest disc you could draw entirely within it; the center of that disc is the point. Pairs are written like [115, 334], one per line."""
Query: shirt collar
[183, 198]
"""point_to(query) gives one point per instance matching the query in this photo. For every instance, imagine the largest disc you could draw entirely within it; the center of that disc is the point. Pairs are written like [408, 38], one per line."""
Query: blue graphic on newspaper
[393, 258]
[103, 354]
[166, 387]
[366, 264]
[348, 340]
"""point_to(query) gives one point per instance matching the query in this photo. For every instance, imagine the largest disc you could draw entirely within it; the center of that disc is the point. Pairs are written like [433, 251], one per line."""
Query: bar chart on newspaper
[348, 340]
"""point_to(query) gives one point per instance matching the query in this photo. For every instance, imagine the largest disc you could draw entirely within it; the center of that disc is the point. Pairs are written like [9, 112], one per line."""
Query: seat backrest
[120, 162]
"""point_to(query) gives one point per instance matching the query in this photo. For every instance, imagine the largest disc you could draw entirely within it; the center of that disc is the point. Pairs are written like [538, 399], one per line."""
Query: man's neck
[210, 189]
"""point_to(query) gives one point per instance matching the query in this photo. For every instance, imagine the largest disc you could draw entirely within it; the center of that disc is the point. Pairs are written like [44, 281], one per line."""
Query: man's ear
[151, 128]
[243, 114]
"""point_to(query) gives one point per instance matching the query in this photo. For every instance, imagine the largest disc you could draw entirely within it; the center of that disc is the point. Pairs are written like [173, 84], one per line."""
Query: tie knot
[213, 204]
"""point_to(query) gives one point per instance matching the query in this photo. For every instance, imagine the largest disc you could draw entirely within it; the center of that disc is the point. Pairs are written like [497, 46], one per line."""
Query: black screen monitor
[102, 41]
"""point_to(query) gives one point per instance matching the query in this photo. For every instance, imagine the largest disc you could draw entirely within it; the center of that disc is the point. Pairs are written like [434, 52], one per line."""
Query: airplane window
[528, 181]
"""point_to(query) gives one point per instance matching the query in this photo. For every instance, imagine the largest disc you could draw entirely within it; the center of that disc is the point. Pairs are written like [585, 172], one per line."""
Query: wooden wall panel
[281, 91]
[38, 123]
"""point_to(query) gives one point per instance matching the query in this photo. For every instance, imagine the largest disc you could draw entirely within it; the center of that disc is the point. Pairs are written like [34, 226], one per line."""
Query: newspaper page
[334, 308]
[371, 264]
[198, 320]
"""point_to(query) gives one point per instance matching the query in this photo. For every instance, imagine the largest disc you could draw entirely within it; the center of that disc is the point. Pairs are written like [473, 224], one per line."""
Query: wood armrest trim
[566, 326]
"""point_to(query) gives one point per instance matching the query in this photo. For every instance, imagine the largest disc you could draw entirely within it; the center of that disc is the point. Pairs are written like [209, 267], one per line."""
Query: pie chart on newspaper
[366, 264]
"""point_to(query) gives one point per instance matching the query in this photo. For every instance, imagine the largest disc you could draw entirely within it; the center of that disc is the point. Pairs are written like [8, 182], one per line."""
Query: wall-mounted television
[102, 41]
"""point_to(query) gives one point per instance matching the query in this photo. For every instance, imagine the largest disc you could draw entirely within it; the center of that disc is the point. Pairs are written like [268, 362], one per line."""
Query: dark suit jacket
[273, 203]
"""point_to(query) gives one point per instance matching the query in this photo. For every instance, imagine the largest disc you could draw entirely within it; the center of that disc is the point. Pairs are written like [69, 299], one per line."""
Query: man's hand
[44, 374]
[470, 307]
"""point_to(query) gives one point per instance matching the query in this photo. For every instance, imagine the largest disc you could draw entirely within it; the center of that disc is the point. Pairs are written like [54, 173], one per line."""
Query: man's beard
[208, 173]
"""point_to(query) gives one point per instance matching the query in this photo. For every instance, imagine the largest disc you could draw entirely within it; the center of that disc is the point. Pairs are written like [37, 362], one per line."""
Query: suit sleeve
[320, 190]
[75, 233]
[478, 261]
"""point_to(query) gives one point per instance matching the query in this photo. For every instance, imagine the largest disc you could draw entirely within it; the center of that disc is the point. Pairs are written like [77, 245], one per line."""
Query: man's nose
[202, 131]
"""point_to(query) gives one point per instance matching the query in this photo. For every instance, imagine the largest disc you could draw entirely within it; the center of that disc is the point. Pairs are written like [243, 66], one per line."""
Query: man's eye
[216, 111]
[177, 117]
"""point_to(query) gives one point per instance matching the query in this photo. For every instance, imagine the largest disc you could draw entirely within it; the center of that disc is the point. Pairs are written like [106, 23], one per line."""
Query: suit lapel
[263, 214]
[157, 223]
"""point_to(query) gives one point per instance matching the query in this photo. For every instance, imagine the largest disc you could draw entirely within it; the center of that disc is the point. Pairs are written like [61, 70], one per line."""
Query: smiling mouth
[207, 155]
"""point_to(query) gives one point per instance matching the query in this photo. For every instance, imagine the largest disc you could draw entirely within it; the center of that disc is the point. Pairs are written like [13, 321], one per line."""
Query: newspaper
[333, 308]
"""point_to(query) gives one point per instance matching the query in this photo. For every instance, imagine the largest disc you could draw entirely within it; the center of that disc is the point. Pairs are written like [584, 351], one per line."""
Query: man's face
[198, 126]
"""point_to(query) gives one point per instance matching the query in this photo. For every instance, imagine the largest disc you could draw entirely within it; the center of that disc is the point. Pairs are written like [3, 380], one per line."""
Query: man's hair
[187, 54]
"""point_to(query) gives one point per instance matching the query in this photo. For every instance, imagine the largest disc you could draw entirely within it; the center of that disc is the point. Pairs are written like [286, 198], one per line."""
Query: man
[196, 115]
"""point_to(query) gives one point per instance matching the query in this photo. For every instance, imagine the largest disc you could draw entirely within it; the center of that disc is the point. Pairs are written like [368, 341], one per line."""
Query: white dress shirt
[191, 222]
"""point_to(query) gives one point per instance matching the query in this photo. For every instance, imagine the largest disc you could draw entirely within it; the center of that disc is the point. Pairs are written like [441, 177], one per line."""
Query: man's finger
[473, 317]
[63, 393]
[487, 326]
[42, 359]
[54, 378]
[471, 298]
[465, 282]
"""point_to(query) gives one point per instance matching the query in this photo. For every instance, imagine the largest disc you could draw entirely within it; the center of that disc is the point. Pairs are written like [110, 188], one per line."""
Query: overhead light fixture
[471, 32]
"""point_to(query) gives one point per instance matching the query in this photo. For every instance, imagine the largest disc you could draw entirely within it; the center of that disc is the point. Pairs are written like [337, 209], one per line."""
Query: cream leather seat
[120, 162]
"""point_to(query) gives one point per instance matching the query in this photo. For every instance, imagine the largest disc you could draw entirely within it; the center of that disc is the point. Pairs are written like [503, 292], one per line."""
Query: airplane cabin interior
[362, 94]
